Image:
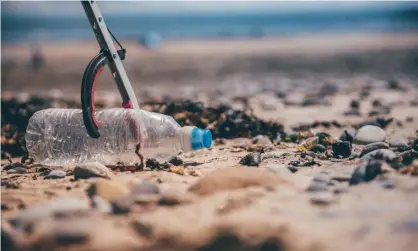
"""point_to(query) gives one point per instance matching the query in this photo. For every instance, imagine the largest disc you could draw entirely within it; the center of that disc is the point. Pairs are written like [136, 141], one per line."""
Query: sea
[18, 28]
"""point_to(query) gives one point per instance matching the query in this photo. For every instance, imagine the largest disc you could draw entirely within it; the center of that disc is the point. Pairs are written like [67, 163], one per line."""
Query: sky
[151, 7]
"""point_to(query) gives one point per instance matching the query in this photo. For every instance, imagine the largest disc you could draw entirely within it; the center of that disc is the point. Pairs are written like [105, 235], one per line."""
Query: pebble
[322, 198]
[4, 206]
[402, 149]
[352, 112]
[342, 148]
[25, 218]
[397, 142]
[373, 147]
[383, 154]
[318, 148]
[56, 174]
[101, 204]
[407, 157]
[235, 178]
[176, 161]
[278, 169]
[386, 183]
[261, 139]
[19, 170]
[340, 189]
[410, 225]
[145, 187]
[366, 171]
[317, 187]
[322, 178]
[108, 189]
[91, 170]
[370, 134]
[293, 169]
[251, 159]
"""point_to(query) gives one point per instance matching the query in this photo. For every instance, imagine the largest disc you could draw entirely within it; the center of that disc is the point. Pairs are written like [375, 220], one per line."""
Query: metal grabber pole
[108, 56]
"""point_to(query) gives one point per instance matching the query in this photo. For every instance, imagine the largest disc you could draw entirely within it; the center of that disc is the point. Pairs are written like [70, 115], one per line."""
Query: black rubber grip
[88, 87]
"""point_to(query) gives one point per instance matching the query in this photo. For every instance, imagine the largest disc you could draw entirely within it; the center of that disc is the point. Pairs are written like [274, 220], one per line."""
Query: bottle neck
[186, 133]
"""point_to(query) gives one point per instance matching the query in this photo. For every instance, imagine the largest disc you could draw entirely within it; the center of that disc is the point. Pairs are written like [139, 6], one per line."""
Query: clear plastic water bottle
[58, 137]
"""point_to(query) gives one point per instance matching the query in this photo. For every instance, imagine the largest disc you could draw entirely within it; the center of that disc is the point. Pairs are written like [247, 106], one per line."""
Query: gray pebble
[56, 174]
[251, 159]
[101, 204]
[410, 225]
[366, 171]
[317, 187]
[19, 170]
[145, 187]
[373, 147]
[322, 178]
[91, 170]
[370, 134]
[279, 169]
[262, 140]
[397, 142]
[322, 198]
[27, 217]
[383, 154]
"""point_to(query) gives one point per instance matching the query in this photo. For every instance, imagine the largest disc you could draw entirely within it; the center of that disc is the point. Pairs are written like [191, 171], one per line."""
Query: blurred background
[185, 48]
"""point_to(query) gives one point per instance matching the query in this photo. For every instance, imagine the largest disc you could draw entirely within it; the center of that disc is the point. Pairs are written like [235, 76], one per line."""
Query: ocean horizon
[17, 28]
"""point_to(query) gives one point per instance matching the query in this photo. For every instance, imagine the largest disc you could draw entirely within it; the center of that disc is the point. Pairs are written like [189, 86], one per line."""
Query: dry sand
[246, 208]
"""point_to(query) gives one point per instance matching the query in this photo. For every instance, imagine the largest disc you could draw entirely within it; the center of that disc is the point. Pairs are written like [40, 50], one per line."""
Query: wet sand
[279, 198]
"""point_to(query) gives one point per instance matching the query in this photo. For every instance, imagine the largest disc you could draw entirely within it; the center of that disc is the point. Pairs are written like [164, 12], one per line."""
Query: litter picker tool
[108, 55]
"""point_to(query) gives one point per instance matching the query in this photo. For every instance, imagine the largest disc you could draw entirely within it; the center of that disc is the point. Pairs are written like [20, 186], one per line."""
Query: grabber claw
[108, 56]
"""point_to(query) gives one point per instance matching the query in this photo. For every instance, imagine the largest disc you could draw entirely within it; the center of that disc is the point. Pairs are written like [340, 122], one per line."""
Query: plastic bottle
[58, 137]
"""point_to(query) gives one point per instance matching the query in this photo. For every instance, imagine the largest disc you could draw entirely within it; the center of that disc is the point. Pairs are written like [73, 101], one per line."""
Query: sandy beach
[254, 189]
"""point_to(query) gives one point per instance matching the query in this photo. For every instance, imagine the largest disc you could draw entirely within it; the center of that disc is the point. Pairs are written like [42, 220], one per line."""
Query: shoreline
[300, 45]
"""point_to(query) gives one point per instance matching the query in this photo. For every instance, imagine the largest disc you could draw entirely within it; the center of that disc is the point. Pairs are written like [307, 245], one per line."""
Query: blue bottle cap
[200, 139]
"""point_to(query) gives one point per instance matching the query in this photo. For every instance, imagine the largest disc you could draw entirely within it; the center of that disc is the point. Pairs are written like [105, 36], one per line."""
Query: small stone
[56, 174]
[318, 148]
[370, 134]
[355, 104]
[176, 161]
[107, 189]
[145, 187]
[373, 147]
[101, 204]
[317, 187]
[4, 206]
[408, 157]
[177, 169]
[11, 166]
[67, 206]
[235, 178]
[293, 169]
[352, 112]
[261, 140]
[402, 149]
[278, 169]
[381, 154]
[19, 170]
[342, 148]
[251, 159]
[322, 198]
[366, 171]
[294, 163]
[91, 170]
[386, 184]
[322, 178]
[397, 142]
[340, 189]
